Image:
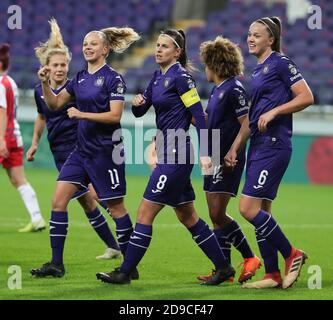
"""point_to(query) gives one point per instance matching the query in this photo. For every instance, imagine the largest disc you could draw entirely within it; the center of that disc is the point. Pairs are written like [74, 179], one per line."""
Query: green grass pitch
[170, 267]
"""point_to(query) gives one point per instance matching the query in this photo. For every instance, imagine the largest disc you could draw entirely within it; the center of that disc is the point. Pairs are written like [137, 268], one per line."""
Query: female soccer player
[62, 131]
[278, 90]
[99, 156]
[227, 108]
[173, 93]
[11, 144]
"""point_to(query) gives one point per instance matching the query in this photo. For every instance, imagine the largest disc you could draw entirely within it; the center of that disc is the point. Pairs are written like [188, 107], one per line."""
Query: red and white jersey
[9, 98]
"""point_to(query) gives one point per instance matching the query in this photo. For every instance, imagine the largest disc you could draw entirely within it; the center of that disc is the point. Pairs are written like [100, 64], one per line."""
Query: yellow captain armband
[190, 97]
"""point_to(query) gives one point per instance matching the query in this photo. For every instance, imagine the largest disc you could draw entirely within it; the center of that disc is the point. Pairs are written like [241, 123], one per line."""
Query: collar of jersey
[261, 63]
[60, 88]
[96, 70]
[224, 81]
[164, 73]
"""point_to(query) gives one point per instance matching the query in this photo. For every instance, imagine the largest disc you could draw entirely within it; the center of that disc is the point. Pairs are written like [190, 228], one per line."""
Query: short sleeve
[186, 88]
[116, 88]
[3, 100]
[70, 88]
[288, 71]
[239, 101]
[38, 101]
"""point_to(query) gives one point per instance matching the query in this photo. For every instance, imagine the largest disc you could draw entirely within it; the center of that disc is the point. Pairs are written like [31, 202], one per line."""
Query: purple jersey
[172, 94]
[61, 129]
[226, 104]
[271, 87]
[93, 93]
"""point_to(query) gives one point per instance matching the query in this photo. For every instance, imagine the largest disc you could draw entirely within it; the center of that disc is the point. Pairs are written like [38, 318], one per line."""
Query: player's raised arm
[53, 101]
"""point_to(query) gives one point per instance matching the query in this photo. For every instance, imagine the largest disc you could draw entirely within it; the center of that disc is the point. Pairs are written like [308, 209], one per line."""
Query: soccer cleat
[109, 253]
[115, 277]
[134, 275]
[220, 275]
[49, 269]
[293, 265]
[34, 226]
[270, 280]
[250, 266]
[209, 276]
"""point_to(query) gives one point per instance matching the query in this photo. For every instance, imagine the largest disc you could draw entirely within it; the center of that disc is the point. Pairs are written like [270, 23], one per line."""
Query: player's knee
[248, 212]
[59, 204]
[188, 219]
[88, 204]
[116, 207]
[17, 181]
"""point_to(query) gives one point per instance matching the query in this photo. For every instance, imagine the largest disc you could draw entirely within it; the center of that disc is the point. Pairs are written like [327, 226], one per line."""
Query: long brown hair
[274, 29]
[180, 39]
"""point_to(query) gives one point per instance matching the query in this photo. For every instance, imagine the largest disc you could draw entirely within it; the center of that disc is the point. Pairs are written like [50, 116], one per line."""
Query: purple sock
[58, 233]
[234, 234]
[208, 243]
[104, 205]
[124, 229]
[101, 227]
[224, 243]
[137, 247]
[268, 253]
[268, 229]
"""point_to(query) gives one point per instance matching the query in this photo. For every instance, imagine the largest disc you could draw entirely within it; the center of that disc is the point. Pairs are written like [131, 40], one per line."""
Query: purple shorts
[265, 168]
[224, 182]
[107, 177]
[170, 184]
[59, 160]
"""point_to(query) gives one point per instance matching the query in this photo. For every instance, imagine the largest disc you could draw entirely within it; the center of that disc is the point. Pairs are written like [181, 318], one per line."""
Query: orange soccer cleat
[250, 266]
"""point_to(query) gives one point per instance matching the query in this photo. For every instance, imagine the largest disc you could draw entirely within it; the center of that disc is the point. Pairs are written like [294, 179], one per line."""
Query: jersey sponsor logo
[99, 81]
[117, 94]
[190, 98]
[295, 77]
[81, 80]
[242, 109]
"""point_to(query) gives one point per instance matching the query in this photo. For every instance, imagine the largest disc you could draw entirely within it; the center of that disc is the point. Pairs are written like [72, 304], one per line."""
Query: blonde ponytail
[54, 45]
[119, 39]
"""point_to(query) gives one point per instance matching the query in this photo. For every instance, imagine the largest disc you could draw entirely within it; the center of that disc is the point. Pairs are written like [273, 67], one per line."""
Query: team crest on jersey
[167, 82]
[221, 95]
[120, 88]
[292, 69]
[190, 83]
[99, 81]
[241, 100]
[266, 69]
